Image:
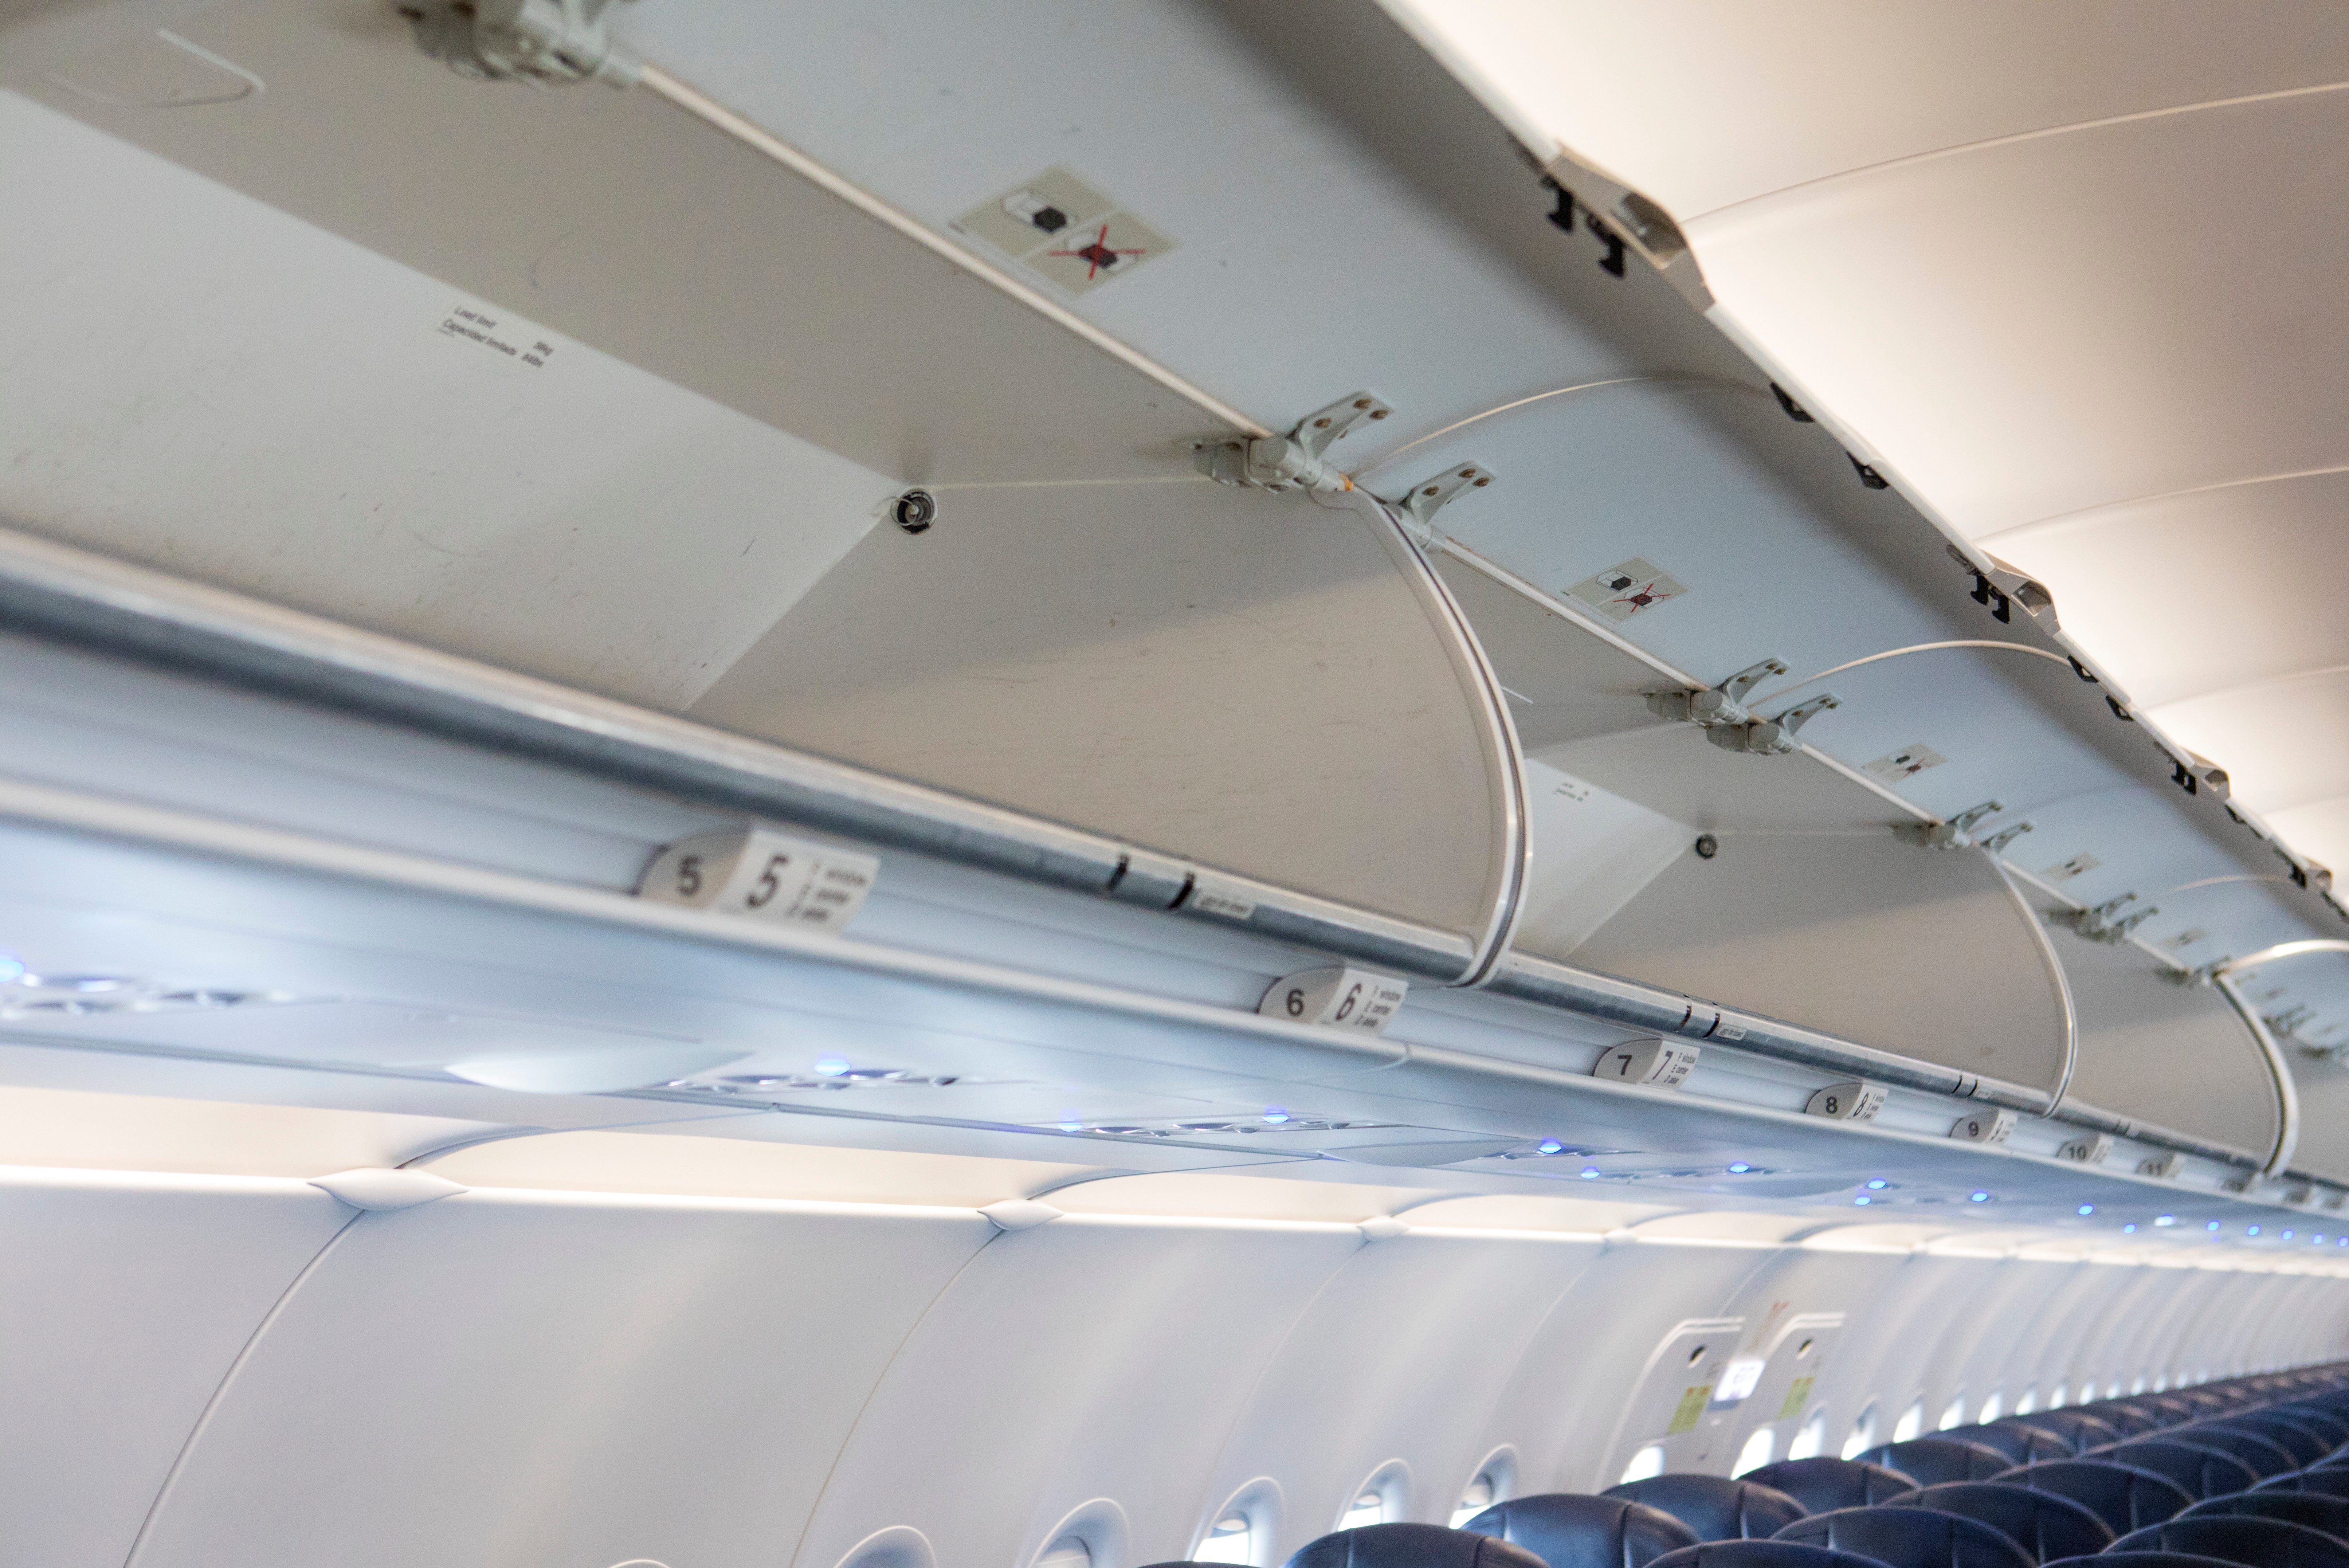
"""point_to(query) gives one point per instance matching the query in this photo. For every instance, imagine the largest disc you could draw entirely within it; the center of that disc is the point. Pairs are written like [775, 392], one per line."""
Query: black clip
[2183, 779]
[1984, 594]
[1563, 214]
[2299, 876]
[2122, 714]
[1868, 475]
[2080, 669]
[1795, 410]
[1613, 260]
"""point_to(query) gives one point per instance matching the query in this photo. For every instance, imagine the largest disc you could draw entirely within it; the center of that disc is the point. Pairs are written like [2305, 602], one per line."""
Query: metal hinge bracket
[1297, 461]
[547, 43]
[1955, 833]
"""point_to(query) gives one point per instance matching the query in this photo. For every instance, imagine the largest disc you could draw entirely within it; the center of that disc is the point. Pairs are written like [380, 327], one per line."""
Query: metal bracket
[1296, 461]
[547, 43]
[1431, 496]
[1772, 737]
[1620, 216]
[2200, 978]
[2004, 837]
[1722, 704]
[2106, 924]
[1956, 832]
[2000, 588]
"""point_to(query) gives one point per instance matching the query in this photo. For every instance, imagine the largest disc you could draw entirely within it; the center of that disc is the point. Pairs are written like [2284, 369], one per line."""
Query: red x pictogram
[1640, 600]
[1097, 253]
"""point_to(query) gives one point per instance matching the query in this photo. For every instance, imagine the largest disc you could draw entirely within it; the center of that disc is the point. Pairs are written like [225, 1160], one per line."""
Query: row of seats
[2252, 1472]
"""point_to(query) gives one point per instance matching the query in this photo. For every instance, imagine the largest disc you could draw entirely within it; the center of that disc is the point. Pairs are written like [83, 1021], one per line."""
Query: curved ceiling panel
[1860, 935]
[2324, 1087]
[2252, 570]
[2174, 1055]
[1238, 677]
[1707, 102]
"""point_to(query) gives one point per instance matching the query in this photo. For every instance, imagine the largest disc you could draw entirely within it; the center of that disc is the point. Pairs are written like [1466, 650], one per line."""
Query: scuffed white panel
[202, 383]
[1240, 677]
[1593, 852]
[1910, 950]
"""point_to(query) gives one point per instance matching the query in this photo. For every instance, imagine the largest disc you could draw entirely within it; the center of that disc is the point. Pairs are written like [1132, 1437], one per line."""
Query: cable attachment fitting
[2003, 837]
[2105, 923]
[2200, 978]
[1431, 495]
[1955, 833]
[1999, 588]
[1296, 461]
[1723, 704]
[1772, 737]
[547, 43]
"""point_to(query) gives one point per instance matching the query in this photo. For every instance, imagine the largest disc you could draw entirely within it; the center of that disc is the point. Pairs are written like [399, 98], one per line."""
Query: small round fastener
[915, 511]
[1707, 847]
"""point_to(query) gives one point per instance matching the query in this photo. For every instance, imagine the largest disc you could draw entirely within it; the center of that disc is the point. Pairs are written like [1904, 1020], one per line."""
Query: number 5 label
[766, 875]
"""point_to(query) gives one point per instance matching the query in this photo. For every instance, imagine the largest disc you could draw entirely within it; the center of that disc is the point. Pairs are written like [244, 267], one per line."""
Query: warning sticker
[1621, 592]
[1063, 229]
[513, 341]
[1905, 763]
[1692, 1407]
[1798, 1394]
[2064, 870]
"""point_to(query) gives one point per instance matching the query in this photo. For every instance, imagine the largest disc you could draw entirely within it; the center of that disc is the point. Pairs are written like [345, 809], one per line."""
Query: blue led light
[2250, 1229]
[1877, 1184]
[2128, 1229]
[2088, 1209]
[1977, 1197]
[1549, 1146]
[2319, 1241]
[1274, 1115]
[2287, 1235]
[2213, 1225]
[1589, 1173]
[2172, 1220]
[1863, 1201]
[12, 969]
[831, 1066]
[1740, 1168]
[1072, 1121]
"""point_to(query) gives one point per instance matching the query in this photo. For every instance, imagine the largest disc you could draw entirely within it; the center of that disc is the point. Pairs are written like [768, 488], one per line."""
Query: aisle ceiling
[2071, 271]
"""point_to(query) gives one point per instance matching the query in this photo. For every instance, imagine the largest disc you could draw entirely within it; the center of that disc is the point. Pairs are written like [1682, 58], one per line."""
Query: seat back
[2075, 1428]
[2242, 1538]
[2138, 1560]
[2262, 1454]
[2304, 1444]
[2312, 1508]
[1568, 1530]
[2044, 1523]
[1933, 1460]
[1410, 1546]
[2129, 1417]
[2123, 1498]
[2324, 1480]
[1824, 1484]
[2326, 1424]
[1911, 1538]
[2202, 1471]
[1716, 1507]
[2019, 1441]
[1761, 1554]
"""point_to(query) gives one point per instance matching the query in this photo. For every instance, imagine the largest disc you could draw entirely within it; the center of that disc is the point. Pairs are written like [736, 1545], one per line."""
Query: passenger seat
[2124, 1497]
[1716, 1507]
[1411, 1546]
[1822, 1485]
[2252, 1542]
[1570, 1530]
[1911, 1538]
[1933, 1460]
[2044, 1523]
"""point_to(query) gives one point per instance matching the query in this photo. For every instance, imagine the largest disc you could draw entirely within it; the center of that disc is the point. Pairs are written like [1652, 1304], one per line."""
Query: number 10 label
[766, 875]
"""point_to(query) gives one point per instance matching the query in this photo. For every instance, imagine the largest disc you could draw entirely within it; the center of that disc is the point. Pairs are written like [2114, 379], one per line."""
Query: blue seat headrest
[1824, 1484]
[1569, 1529]
[2125, 1499]
[2203, 1471]
[2324, 1481]
[2313, 1509]
[2044, 1523]
[2263, 1455]
[2075, 1428]
[1716, 1507]
[1933, 1460]
[1762, 1555]
[2242, 1538]
[1911, 1538]
[2021, 1443]
[1411, 1546]
[2138, 1560]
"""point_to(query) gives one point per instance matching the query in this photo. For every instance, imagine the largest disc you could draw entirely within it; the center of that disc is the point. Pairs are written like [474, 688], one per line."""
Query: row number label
[1341, 997]
[764, 875]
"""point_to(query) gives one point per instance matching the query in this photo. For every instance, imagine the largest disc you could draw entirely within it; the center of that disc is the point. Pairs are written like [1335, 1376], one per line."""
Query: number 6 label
[1345, 998]
[765, 875]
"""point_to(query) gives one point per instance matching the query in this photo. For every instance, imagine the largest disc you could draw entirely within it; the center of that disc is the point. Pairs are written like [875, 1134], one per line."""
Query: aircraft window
[1863, 1434]
[1382, 1500]
[1912, 1423]
[1993, 1406]
[1811, 1441]
[2027, 1401]
[1492, 1483]
[2062, 1396]
[1231, 1539]
[1067, 1552]
[1648, 1461]
[1369, 1508]
[2137, 1386]
[1759, 1450]
[1954, 1413]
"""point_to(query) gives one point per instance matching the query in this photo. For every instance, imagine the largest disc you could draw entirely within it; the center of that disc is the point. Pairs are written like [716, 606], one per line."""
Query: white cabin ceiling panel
[1912, 949]
[203, 384]
[2152, 361]
[635, 228]
[2173, 1055]
[1243, 678]
[1710, 102]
